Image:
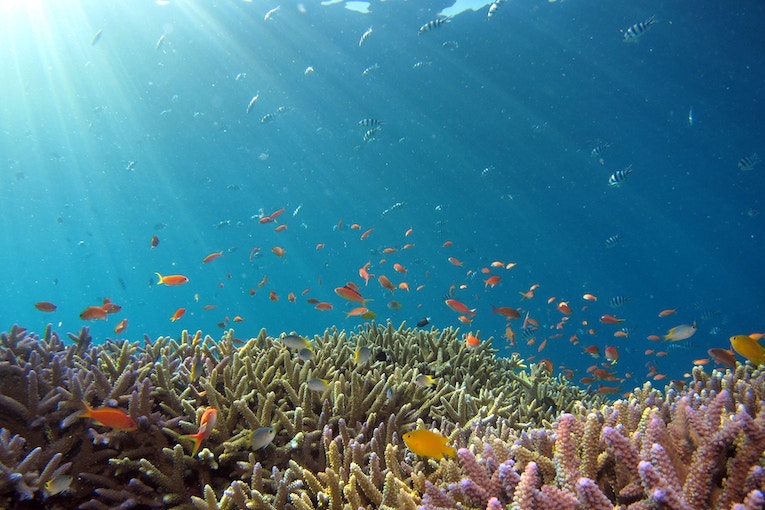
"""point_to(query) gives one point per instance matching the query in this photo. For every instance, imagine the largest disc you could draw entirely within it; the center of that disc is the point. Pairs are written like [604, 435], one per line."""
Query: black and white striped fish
[365, 36]
[369, 69]
[370, 134]
[613, 240]
[636, 31]
[370, 122]
[748, 162]
[618, 301]
[433, 24]
[618, 177]
[494, 6]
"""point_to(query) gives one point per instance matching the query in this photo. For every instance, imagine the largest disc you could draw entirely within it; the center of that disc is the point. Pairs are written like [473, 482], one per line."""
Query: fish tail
[86, 413]
[160, 278]
[197, 438]
[450, 452]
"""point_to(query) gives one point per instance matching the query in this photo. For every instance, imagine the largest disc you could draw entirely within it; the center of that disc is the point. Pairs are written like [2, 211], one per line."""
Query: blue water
[487, 145]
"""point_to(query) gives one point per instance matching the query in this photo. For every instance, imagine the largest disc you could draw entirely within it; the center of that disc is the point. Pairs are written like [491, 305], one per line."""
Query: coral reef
[525, 439]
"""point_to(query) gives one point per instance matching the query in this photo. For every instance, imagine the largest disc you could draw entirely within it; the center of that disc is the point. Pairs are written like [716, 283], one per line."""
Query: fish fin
[197, 441]
[160, 278]
[450, 451]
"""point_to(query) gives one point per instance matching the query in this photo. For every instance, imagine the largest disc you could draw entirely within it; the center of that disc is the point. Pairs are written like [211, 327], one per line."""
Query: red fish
[385, 282]
[323, 306]
[278, 251]
[612, 354]
[154, 241]
[206, 425]
[109, 417]
[45, 306]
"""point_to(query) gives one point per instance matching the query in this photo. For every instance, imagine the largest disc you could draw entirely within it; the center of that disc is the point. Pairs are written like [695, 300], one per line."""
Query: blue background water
[488, 147]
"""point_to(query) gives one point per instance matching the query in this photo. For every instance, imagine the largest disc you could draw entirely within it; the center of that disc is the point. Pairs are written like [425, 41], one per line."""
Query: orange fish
[319, 246]
[668, 312]
[542, 345]
[464, 319]
[178, 314]
[386, 283]
[109, 417]
[527, 295]
[171, 280]
[350, 294]
[212, 257]
[364, 273]
[564, 308]
[110, 307]
[593, 351]
[454, 261]
[492, 280]
[589, 297]
[119, 328]
[506, 311]
[408, 232]
[399, 268]
[276, 214]
[323, 306]
[605, 390]
[610, 319]
[209, 307]
[366, 234]
[447, 244]
[237, 318]
[206, 425]
[93, 313]
[407, 246]
[472, 341]
[273, 296]
[281, 227]
[403, 286]
[291, 297]
[612, 354]
[361, 310]
[278, 251]
[355, 226]
[45, 306]
[154, 241]
[460, 307]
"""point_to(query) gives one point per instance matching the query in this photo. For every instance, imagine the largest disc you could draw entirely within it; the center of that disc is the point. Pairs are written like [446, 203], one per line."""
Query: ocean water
[108, 141]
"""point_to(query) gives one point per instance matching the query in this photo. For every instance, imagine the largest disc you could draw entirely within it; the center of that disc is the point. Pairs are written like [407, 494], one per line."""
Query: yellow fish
[749, 348]
[680, 332]
[428, 444]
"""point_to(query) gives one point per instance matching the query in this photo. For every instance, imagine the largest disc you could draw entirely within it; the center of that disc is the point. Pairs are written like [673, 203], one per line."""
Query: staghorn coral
[342, 448]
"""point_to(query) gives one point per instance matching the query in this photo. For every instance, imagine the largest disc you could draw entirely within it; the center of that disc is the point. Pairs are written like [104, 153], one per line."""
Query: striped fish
[370, 134]
[618, 301]
[618, 177]
[494, 6]
[636, 31]
[613, 240]
[748, 162]
[433, 24]
[370, 122]
[365, 36]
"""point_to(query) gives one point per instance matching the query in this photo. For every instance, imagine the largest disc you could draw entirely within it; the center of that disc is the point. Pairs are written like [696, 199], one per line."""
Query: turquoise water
[487, 144]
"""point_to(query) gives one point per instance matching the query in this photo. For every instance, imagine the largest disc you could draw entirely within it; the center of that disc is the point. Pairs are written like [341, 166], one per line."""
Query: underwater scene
[391, 254]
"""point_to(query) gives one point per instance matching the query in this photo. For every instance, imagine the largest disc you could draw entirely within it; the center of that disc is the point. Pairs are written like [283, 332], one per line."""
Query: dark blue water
[486, 145]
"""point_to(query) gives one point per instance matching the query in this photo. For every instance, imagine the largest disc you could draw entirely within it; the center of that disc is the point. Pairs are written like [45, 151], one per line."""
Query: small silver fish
[306, 354]
[318, 385]
[252, 102]
[262, 437]
[295, 342]
[96, 37]
[58, 485]
[271, 13]
[747, 163]
[160, 41]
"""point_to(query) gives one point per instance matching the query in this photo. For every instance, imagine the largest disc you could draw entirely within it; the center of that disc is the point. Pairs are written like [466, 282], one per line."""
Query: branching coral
[341, 448]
